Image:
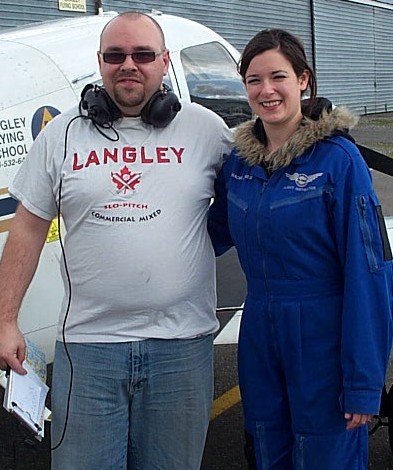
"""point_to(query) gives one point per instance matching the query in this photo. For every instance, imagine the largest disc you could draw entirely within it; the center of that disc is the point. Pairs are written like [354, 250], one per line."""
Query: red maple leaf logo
[125, 180]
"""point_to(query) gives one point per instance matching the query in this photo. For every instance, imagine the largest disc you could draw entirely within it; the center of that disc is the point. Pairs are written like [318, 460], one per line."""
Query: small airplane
[48, 64]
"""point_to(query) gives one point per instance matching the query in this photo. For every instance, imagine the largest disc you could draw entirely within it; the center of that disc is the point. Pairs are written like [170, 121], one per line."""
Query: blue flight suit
[316, 332]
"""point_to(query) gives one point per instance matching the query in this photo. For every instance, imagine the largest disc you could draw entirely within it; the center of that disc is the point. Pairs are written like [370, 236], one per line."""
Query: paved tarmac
[376, 131]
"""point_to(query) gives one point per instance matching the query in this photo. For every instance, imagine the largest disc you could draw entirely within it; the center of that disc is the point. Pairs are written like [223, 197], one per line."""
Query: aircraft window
[214, 82]
[168, 82]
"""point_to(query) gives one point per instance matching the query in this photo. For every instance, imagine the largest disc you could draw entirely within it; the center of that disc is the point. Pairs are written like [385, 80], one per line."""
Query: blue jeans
[142, 405]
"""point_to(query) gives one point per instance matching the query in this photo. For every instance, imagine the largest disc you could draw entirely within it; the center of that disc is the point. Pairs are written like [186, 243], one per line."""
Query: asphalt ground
[224, 446]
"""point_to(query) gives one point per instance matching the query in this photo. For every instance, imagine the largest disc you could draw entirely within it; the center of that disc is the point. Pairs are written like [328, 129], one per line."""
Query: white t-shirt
[140, 260]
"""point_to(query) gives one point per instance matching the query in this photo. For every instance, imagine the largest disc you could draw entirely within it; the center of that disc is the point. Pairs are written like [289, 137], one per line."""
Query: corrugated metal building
[347, 41]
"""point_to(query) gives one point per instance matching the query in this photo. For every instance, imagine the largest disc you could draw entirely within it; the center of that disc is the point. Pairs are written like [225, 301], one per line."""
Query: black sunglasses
[139, 57]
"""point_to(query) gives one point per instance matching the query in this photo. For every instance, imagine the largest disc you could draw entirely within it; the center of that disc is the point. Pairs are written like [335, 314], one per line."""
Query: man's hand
[12, 348]
[354, 420]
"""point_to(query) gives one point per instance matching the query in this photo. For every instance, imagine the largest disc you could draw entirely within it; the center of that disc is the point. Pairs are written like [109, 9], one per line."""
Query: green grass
[376, 121]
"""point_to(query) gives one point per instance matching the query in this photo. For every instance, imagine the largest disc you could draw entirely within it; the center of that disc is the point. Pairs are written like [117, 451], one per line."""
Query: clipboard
[25, 395]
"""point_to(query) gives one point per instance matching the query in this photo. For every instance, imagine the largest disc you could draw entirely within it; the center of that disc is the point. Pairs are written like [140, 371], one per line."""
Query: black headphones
[159, 111]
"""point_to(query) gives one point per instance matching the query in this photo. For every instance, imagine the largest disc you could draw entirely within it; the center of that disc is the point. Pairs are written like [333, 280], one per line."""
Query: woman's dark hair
[290, 46]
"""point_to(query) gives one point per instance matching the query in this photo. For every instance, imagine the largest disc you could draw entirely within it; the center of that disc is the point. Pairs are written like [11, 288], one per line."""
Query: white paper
[25, 395]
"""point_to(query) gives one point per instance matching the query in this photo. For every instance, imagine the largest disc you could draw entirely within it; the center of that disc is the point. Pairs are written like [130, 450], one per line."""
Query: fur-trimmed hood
[252, 149]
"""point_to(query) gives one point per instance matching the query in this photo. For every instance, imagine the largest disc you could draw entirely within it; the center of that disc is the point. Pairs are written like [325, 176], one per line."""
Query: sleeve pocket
[374, 241]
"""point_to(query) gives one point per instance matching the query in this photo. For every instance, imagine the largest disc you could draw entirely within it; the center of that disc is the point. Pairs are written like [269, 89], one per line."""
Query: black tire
[389, 414]
[383, 409]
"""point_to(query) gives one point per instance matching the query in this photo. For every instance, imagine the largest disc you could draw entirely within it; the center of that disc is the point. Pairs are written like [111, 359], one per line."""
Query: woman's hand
[354, 420]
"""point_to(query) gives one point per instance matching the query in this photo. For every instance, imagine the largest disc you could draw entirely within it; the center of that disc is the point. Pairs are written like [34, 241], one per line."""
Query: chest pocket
[239, 203]
[238, 210]
[302, 212]
[301, 197]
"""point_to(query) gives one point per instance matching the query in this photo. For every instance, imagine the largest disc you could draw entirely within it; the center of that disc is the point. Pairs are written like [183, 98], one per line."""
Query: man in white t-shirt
[135, 333]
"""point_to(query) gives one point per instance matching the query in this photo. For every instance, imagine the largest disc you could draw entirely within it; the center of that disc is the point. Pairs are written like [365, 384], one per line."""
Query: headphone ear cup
[110, 107]
[161, 109]
[99, 106]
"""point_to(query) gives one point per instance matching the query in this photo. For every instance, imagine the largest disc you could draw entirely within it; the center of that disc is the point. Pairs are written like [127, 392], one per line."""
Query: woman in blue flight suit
[296, 199]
